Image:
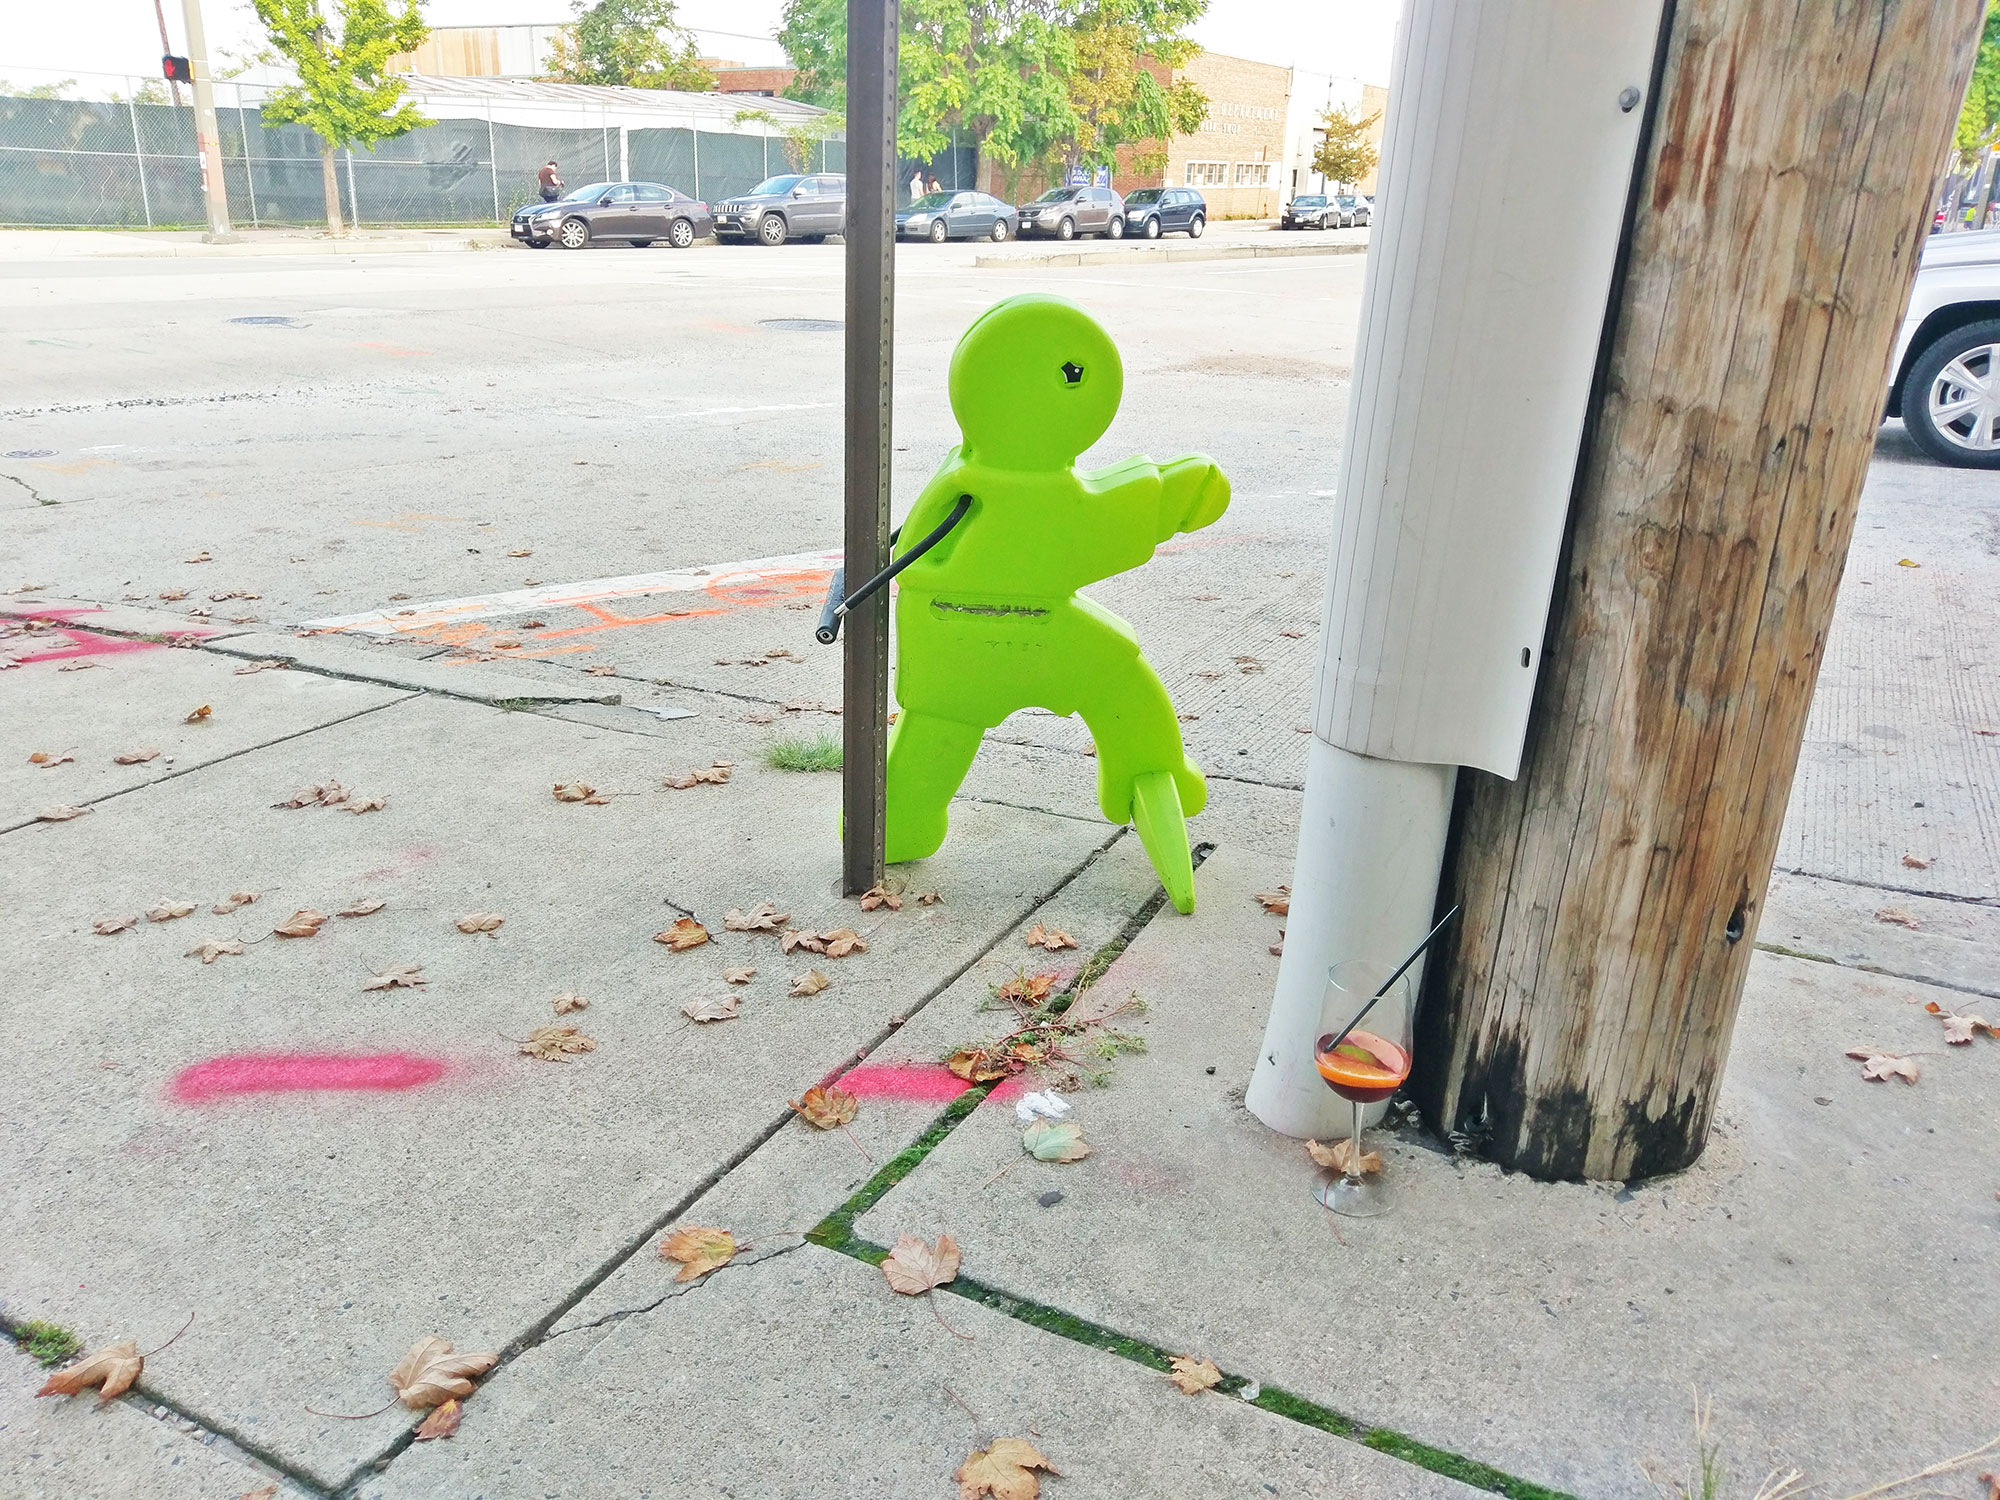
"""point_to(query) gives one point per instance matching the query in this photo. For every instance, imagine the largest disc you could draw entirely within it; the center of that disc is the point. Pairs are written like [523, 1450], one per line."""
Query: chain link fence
[118, 162]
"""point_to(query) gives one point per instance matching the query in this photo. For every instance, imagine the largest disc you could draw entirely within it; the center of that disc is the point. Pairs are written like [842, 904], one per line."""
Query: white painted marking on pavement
[715, 577]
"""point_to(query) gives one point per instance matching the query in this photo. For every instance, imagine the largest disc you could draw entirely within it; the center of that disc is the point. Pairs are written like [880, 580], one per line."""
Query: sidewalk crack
[40, 498]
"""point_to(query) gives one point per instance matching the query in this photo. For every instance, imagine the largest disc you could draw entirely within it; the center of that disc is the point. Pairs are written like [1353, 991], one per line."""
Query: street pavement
[453, 530]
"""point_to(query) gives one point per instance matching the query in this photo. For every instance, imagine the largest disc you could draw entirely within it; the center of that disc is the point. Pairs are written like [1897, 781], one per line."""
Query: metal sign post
[870, 234]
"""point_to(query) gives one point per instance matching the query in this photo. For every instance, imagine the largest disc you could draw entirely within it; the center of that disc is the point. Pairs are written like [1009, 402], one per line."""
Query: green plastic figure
[989, 621]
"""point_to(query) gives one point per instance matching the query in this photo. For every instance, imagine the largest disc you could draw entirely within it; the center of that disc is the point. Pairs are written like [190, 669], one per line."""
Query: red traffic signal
[176, 69]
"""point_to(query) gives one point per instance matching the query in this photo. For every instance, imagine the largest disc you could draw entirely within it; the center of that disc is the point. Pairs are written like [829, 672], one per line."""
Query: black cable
[837, 605]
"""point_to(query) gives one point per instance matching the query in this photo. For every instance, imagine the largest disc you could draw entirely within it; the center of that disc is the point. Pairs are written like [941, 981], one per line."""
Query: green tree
[1344, 153]
[1115, 96]
[1979, 119]
[634, 43]
[339, 49]
[801, 136]
[36, 90]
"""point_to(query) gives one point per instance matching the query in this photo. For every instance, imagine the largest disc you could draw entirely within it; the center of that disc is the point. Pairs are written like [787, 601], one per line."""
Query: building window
[1208, 174]
[1253, 174]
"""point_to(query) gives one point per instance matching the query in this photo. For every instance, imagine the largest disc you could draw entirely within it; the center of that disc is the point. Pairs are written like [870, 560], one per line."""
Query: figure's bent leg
[1144, 777]
[928, 758]
[1156, 813]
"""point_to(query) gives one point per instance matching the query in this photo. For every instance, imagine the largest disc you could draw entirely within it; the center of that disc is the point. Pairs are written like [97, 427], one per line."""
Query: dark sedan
[636, 212]
[1313, 211]
[1152, 212]
[938, 217]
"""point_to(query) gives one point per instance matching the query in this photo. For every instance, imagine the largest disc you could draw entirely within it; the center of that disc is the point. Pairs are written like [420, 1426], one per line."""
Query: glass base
[1363, 1198]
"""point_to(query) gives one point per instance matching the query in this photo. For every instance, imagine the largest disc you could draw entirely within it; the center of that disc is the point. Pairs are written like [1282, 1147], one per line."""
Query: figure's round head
[1034, 382]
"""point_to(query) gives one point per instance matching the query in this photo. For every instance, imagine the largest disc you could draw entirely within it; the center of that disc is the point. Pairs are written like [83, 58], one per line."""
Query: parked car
[805, 206]
[1066, 212]
[1354, 211]
[1945, 380]
[1310, 211]
[1152, 212]
[637, 212]
[938, 217]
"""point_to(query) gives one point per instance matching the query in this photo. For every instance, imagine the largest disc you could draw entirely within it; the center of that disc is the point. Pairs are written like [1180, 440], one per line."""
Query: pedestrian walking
[916, 184]
[934, 184]
[552, 183]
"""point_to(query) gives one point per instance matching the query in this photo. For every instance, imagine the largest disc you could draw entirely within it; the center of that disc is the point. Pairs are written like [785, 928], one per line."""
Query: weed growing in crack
[797, 752]
[48, 1343]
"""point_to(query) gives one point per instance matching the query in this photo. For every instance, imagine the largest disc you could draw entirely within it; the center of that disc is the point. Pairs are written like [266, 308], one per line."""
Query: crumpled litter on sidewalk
[1030, 1107]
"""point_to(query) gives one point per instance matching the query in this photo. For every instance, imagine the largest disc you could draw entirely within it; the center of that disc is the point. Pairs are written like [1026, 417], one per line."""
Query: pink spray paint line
[303, 1072]
[917, 1083]
[86, 642]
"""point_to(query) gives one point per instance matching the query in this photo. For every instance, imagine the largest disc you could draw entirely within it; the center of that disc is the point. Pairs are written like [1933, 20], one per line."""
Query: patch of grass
[799, 752]
[49, 1343]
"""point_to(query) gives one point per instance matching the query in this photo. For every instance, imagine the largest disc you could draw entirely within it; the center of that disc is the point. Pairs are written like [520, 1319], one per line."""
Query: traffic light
[176, 69]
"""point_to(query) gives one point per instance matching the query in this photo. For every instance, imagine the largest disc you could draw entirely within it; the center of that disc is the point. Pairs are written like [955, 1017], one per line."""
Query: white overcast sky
[1350, 38]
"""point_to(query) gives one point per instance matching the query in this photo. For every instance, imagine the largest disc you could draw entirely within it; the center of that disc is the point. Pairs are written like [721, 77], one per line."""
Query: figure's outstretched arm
[1193, 493]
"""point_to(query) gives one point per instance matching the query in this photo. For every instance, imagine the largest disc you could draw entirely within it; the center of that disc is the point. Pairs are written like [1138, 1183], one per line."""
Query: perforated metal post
[871, 300]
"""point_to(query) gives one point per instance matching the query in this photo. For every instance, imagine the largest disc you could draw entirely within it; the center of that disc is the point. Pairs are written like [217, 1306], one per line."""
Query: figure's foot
[907, 838]
[1156, 813]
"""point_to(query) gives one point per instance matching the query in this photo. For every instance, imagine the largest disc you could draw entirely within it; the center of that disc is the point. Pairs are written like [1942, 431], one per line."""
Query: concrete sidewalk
[192, 244]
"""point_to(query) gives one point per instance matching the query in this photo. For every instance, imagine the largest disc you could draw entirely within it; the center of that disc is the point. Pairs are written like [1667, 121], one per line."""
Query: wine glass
[1364, 1067]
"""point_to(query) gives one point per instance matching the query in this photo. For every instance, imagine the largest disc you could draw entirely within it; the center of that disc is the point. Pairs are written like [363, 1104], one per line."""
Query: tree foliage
[1979, 119]
[802, 137]
[1344, 152]
[339, 49]
[1115, 97]
[634, 43]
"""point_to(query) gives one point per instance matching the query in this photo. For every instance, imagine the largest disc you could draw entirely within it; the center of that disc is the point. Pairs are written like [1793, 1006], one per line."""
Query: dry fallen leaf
[716, 1008]
[265, 664]
[576, 791]
[134, 757]
[1051, 938]
[364, 908]
[913, 1267]
[1002, 1471]
[700, 1248]
[1055, 1140]
[109, 926]
[826, 1108]
[522, 552]
[1910, 861]
[201, 556]
[1960, 1027]
[300, 924]
[1033, 988]
[60, 814]
[398, 977]
[480, 921]
[1333, 1156]
[686, 933]
[360, 804]
[268, 1492]
[930, 898]
[741, 975]
[812, 942]
[166, 911]
[809, 983]
[442, 1422]
[976, 1065]
[431, 1374]
[1194, 1375]
[763, 917]
[174, 596]
[878, 895]
[211, 949]
[556, 1043]
[567, 1003]
[233, 901]
[48, 760]
[1898, 916]
[715, 775]
[112, 1370]
[843, 941]
[330, 795]
[198, 715]
[1880, 1067]
[602, 669]
[1278, 903]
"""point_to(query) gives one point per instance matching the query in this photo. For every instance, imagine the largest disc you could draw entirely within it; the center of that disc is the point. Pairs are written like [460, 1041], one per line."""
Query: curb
[185, 250]
[1152, 254]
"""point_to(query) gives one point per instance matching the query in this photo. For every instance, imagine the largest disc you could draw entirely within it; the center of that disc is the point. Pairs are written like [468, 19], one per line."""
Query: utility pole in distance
[208, 143]
[870, 233]
[166, 47]
[1579, 1016]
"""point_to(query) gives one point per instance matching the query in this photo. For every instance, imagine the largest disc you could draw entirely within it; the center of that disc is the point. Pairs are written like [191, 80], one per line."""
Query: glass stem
[1354, 1145]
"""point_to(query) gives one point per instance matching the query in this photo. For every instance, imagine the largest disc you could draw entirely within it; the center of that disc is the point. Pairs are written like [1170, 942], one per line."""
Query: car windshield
[1346, 202]
[771, 187]
[1057, 195]
[591, 190]
[933, 200]
[1309, 203]
[1144, 195]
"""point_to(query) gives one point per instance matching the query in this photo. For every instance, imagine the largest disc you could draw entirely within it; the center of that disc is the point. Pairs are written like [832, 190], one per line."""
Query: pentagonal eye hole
[1072, 373]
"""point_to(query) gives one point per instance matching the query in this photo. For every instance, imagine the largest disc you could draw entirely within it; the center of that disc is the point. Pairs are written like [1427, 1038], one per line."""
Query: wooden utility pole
[1580, 1016]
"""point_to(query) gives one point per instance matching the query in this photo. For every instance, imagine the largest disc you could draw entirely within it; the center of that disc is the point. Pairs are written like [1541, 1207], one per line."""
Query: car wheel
[1116, 231]
[1152, 229]
[771, 229]
[1951, 397]
[937, 234]
[573, 235]
[1195, 226]
[680, 234]
[998, 232]
[1066, 230]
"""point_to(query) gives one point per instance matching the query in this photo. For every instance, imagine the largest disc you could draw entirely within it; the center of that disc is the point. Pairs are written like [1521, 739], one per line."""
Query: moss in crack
[49, 1344]
[1453, 1466]
[836, 1230]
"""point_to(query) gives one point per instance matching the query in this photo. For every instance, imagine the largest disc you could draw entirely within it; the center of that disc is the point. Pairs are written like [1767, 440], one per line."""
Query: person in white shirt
[916, 185]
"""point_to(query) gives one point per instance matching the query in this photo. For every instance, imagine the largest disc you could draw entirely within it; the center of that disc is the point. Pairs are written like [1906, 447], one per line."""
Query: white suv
[1945, 380]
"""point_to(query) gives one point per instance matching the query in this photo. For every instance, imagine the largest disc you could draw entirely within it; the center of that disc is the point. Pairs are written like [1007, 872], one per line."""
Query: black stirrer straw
[1415, 954]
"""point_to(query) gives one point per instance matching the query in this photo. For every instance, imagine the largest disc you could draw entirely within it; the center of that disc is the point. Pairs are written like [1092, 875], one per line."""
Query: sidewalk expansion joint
[539, 1333]
[1807, 956]
[1900, 890]
[836, 1232]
